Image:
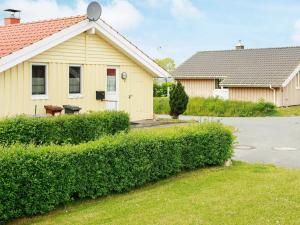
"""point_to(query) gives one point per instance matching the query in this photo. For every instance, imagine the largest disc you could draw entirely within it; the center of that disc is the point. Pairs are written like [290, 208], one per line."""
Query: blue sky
[179, 28]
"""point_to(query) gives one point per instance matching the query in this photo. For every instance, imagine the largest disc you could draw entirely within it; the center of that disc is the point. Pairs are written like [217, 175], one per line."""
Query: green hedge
[72, 129]
[217, 107]
[35, 180]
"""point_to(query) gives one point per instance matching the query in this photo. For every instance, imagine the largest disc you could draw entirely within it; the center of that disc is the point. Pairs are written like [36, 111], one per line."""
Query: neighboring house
[271, 74]
[65, 61]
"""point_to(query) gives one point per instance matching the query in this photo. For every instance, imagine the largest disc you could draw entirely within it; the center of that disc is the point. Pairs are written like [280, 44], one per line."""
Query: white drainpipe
[274, 94]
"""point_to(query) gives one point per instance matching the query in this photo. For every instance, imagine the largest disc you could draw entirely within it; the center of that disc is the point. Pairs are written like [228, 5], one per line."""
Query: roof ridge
[43, 21]
[233, 50]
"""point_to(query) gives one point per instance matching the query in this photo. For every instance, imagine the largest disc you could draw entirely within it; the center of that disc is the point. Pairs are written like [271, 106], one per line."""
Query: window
[298, 80]
[111, 80]
[39, 80]
[74, 80]
[217, 84]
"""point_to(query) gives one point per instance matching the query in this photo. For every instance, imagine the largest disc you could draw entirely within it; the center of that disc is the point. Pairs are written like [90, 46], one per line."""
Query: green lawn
[289, 111]
[241, 194]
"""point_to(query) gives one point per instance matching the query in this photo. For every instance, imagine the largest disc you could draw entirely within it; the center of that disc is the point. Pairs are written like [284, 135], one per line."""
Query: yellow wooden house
[66, 62]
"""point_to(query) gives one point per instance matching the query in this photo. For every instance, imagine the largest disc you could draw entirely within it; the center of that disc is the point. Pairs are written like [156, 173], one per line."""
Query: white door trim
[117, 68]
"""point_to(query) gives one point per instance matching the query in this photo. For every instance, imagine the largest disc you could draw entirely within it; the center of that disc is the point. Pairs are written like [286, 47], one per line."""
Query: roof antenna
[94, 11]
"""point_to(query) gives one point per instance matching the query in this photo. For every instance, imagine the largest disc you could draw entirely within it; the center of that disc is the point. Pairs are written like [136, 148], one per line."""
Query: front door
[112, 94]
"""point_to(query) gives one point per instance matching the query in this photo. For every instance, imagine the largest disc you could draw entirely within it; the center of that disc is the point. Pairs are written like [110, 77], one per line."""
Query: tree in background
[161, 90]
[178, 100]
[167, 63]
[162, 85]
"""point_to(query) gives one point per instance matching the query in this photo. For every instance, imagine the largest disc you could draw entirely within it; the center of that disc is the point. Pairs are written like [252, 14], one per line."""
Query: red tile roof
[17, 36]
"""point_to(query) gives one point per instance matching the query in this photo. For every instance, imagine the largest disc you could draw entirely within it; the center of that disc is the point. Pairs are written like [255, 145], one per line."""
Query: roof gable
[45, 40]
[249, 67]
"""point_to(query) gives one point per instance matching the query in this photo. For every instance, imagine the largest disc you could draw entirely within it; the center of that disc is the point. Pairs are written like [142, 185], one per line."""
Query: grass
[289, 111]
[221, 108]
[242, 194]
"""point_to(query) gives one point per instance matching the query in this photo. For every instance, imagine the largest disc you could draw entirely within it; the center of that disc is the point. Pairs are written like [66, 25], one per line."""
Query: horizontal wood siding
[199, 88]
[94, 55]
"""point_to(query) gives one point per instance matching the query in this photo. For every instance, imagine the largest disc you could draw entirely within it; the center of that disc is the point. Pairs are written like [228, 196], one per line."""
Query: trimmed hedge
[65, 129]
[35, 180]
[218, 107]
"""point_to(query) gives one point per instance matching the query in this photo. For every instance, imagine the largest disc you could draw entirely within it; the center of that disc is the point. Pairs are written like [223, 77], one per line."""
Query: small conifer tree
[178, 100]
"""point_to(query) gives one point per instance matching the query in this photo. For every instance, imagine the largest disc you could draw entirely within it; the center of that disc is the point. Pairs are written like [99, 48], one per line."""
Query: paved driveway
[273, 140]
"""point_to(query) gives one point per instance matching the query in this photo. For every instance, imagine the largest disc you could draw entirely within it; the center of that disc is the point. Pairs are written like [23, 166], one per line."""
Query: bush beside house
[72, 129]
[35, 180]
[217, 107]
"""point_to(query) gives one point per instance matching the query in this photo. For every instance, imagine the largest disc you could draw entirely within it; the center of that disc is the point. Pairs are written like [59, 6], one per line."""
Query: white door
[112, 94]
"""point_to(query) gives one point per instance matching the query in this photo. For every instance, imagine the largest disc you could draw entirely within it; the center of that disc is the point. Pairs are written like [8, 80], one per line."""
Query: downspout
[274, 94]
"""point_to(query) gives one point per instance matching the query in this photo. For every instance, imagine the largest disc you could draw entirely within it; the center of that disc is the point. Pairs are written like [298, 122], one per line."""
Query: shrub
[178, 100]
[35, 180]
[217, 107]
[64, 129]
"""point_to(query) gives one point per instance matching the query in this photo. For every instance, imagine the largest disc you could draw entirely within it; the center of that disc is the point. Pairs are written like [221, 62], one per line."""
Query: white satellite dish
[94, 11]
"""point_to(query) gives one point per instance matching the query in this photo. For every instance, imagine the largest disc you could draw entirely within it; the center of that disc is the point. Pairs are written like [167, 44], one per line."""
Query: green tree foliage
[167, 63]
[161, 90]
[178, 100]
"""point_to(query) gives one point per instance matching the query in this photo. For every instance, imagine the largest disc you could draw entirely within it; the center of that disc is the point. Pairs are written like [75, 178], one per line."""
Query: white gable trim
[102, 29]
[291, 77]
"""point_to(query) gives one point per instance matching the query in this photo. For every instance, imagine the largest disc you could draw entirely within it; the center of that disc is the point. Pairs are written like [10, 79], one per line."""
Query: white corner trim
[291, 77]
[102, 29]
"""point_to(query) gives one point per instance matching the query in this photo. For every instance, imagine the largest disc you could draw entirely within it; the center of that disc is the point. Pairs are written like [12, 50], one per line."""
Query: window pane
[74, 80]
[38, 80]
[217, 84]
[111, 72]
[111, 80]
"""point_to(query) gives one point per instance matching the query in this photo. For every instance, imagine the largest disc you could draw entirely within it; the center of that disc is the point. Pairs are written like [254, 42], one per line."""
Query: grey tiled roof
[248, 67]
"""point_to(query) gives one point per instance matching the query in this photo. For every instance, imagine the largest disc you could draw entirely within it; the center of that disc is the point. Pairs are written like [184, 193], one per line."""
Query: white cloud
[121, 14]
[296, 35]
[181, 9]
[185, 9]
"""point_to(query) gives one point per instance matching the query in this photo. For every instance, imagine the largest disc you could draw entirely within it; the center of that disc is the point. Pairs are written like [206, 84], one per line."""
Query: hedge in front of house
[72, 129]
[35, 180]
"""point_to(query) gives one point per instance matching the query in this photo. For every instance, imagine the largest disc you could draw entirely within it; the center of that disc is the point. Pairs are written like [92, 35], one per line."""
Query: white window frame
[77, 95]
[39, 97]
[298, 81]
